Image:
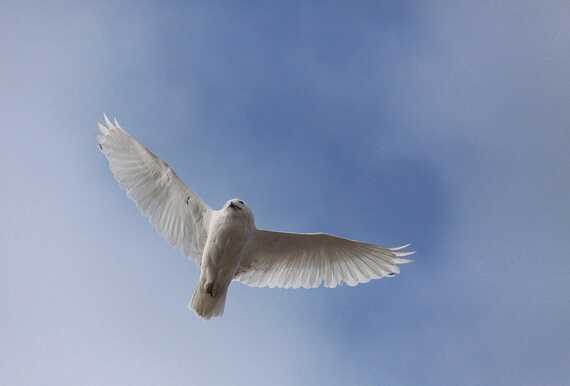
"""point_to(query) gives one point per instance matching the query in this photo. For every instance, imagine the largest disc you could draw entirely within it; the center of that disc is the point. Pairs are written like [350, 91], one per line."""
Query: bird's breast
[227, 237]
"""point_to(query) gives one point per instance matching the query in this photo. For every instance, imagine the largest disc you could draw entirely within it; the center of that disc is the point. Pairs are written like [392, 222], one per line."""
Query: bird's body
[229, 231]
[225, 243]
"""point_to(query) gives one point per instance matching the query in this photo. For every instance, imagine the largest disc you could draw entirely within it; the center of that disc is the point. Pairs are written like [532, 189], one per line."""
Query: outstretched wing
[293, 260]
[176, 212]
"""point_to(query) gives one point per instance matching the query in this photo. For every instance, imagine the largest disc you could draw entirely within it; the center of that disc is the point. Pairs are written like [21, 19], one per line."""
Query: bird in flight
[225, 243]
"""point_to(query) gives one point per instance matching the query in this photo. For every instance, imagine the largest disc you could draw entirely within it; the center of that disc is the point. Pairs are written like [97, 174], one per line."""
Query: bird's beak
[232, 205]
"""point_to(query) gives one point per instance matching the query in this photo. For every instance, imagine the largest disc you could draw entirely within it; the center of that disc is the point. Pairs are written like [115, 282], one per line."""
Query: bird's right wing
[176, 212]
[293, 260]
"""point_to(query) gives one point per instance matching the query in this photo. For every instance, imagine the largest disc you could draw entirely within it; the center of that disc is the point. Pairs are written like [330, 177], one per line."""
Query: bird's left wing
[176, 212]
[293, 260]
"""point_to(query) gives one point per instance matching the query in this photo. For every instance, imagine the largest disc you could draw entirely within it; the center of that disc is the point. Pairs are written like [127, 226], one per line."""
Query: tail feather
[207, 306]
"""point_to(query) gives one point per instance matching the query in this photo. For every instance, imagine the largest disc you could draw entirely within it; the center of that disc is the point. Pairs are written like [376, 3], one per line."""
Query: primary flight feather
[225, 243]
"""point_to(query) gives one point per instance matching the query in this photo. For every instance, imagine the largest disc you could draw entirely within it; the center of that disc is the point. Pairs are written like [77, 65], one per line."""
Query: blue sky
[445, 124]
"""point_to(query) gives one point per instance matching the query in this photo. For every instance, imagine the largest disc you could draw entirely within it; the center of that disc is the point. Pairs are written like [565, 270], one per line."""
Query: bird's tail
[207, 306]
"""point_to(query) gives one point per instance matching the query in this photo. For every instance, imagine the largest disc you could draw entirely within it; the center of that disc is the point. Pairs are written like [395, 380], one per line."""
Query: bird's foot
[210, 289]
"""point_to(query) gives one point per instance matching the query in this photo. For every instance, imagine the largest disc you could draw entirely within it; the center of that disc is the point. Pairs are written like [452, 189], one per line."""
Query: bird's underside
[225, 243]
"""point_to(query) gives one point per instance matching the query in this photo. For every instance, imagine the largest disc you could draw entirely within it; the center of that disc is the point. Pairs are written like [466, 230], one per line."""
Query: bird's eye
[241, 202]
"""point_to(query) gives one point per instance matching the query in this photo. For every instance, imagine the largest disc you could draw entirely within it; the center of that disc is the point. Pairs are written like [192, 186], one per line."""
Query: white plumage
[225, 243]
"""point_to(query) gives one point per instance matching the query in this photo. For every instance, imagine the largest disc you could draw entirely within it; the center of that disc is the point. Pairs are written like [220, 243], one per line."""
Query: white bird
[225, 243]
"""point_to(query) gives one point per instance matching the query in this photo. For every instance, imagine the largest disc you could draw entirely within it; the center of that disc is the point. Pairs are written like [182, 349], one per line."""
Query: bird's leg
[213, 279]
[210, 289]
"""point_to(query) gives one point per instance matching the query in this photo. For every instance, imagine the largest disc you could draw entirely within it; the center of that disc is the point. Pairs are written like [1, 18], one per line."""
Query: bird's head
[237, 206]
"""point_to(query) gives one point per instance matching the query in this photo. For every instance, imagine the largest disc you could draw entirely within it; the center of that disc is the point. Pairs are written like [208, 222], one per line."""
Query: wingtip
[107, 120]
[104, 130]
[404, 254]
[400, 254]
[400, 247]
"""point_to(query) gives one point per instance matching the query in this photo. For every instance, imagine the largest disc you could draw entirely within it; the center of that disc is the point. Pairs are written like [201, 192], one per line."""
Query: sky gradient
[442, 123]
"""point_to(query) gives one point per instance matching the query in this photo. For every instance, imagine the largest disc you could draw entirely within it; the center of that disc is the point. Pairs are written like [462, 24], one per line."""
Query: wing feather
[293, 260]
[176, 212]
